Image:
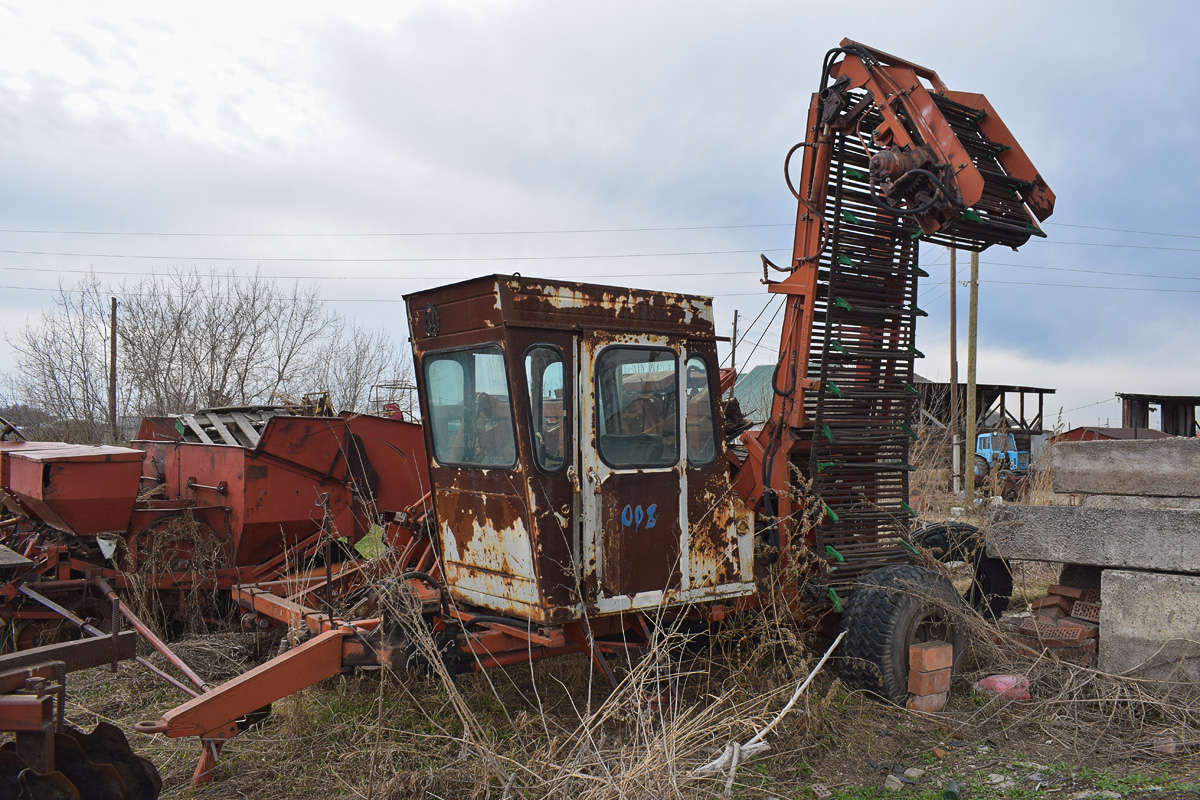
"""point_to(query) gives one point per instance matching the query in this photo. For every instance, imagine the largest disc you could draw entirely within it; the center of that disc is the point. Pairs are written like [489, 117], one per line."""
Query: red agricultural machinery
[199, 504]
[576, 478]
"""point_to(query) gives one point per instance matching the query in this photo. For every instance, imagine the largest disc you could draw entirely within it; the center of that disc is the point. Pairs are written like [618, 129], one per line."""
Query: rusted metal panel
[10, 501]
[720, 549]
[532, 539]
[583, 306]
[488, 550]
[78, 489]
[271, 490]
[641, 530]
[489, 302]
[388, 455]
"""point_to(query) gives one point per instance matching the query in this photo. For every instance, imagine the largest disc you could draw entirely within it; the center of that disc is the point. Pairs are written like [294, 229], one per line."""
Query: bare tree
[356, 360]
[61, 365]
[189, 340]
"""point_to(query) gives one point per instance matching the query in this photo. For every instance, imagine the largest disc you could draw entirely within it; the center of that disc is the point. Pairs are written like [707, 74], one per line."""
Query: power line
[541, 232]
[1089, 405]
[107, 292]
[532, 232]
[1092, 286]
[715, 294]
[690, 273]
[1123, 246]
[1094, 271]
[1125, 230]
[393, 260]
[199, 234]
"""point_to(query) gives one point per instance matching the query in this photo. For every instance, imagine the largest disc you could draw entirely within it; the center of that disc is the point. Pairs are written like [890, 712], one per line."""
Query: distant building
[1091, 433]
[1178, 416]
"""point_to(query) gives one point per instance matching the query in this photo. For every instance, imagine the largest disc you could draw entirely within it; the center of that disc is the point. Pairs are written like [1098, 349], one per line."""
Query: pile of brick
[929, 666]
[1067, 622]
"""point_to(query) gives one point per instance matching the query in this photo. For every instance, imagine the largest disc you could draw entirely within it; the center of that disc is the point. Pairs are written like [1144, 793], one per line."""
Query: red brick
[1091, 596]
[1066, 591]
[1090, 629]
[1063, 637]
[926, 683]
[930, 703]
[1051, 615]
[1050, 634]
[1084, 655]
[1032, 627]
[1089, 612]
[1053, 601]
[931, 656]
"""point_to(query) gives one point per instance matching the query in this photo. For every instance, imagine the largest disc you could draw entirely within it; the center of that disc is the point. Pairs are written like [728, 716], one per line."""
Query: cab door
[632, 478]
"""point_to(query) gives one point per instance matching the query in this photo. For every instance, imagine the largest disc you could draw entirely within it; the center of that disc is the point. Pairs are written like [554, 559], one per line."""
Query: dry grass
[553, 729]
[173, 545]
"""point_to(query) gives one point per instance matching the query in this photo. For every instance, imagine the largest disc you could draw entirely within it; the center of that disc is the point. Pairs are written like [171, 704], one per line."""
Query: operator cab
[575, 448]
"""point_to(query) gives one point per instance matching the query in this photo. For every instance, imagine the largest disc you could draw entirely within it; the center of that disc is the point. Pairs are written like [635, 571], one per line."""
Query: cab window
[637, 407]
[547, 406]
[700, 419]
[471, 420]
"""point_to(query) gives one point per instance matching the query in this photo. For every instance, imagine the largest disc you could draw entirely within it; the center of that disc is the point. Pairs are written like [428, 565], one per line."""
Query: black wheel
[99, 764]
[992, 581]
[892, 609]
[982, 468]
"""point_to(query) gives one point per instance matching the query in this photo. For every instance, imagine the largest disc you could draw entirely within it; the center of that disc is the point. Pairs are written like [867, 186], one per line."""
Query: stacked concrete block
[1138, 524]
[929, 668]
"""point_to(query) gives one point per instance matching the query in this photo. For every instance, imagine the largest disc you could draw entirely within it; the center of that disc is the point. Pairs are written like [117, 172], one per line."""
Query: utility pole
[972, 330]
[955, 438]
[112, 376]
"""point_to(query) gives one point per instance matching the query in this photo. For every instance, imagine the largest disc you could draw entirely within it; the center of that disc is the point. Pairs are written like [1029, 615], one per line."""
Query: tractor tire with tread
[992, 583]
[893, 608]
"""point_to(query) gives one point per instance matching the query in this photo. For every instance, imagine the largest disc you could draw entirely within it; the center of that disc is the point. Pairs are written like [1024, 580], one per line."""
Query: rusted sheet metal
[487, 303]
[720, 548]
[531, 539]
[78, 489]
[549, 304]
[271, 491]
[10, 501]
[487, 550]
[641, 532]
[388, 456]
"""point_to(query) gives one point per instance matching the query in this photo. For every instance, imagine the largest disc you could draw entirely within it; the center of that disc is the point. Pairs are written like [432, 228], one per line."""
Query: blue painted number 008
[633, 516]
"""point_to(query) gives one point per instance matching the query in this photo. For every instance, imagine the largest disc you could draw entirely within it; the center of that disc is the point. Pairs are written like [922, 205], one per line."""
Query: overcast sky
[499, 125]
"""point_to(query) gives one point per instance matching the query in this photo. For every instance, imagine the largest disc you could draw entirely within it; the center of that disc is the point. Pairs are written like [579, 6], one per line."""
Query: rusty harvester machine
[583, 479]
[200, 504]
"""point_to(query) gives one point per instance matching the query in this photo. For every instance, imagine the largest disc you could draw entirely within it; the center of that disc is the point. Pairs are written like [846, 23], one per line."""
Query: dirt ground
[554, 730]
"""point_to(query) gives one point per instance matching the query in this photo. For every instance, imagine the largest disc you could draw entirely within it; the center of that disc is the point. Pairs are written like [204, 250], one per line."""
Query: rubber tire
[982, 469]
[883, 619]
[992, 588]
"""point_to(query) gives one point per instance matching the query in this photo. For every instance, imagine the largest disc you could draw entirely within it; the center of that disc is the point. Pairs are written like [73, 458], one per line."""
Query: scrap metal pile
[574, 482]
